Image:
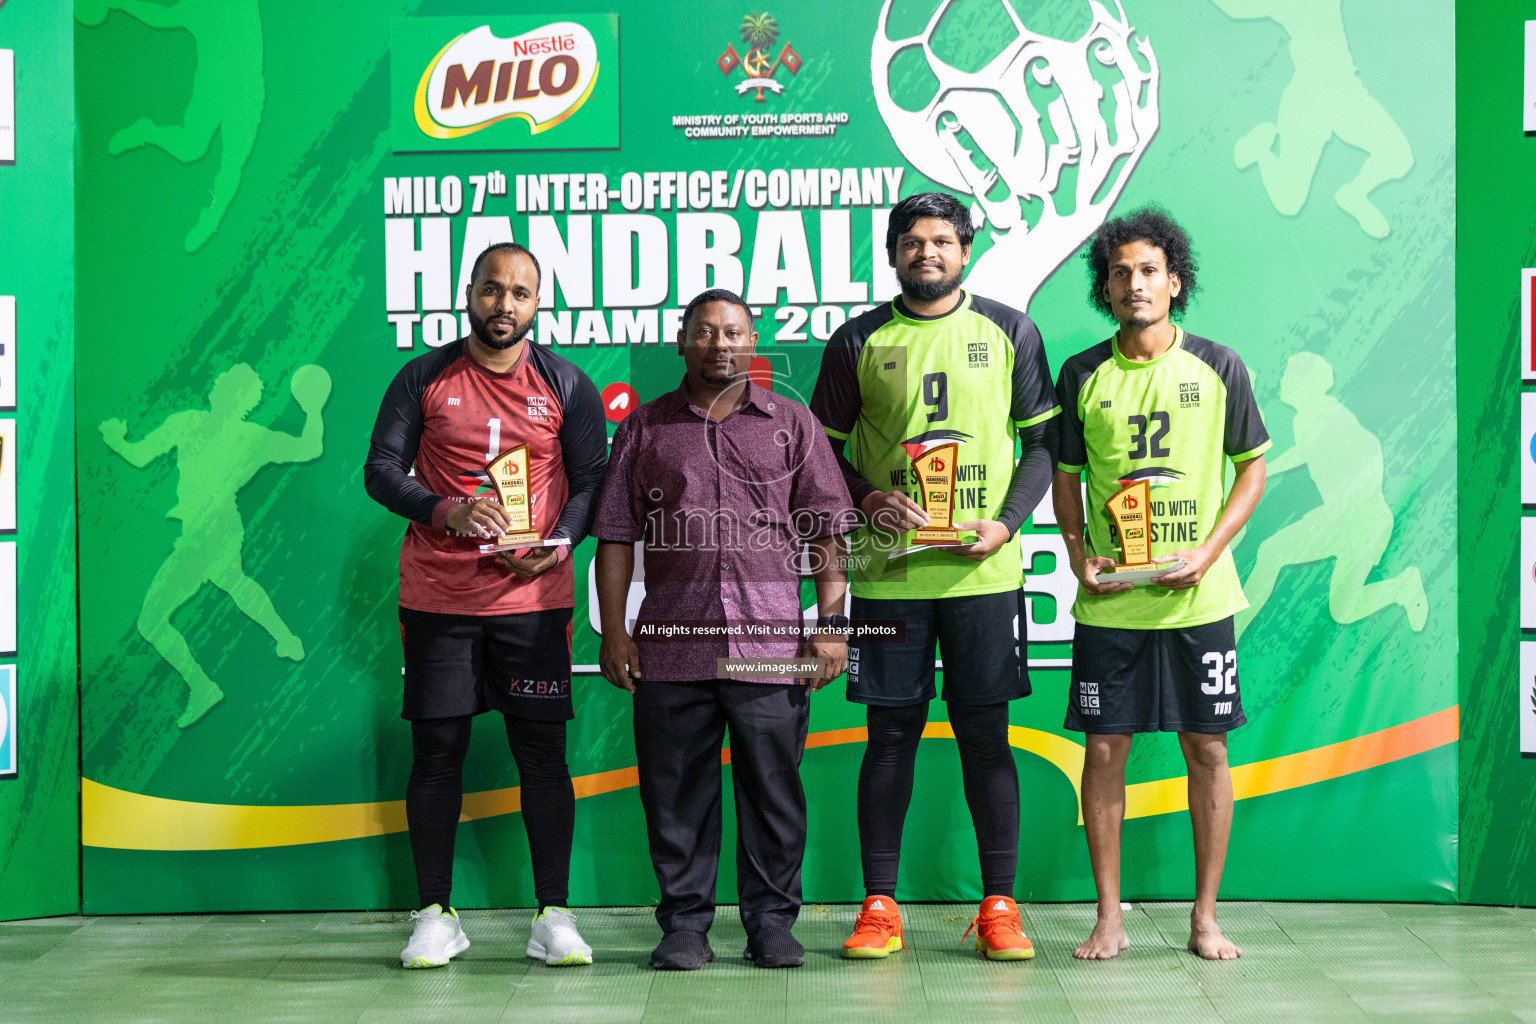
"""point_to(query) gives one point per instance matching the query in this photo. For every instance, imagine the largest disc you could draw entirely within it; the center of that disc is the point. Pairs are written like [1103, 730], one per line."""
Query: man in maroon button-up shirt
[727, 483]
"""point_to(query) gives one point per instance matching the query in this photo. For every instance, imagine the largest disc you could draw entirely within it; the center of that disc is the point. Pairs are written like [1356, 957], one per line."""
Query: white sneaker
[437, 938]
[556, 941]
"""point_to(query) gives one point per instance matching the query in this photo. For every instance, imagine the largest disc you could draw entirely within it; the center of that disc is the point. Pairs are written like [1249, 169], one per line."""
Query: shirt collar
[1131, 364]
[757, 400]
[899, 307]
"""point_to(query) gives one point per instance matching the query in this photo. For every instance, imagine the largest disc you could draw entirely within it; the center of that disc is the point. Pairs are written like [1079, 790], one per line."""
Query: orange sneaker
[876, 931]
[998, 931]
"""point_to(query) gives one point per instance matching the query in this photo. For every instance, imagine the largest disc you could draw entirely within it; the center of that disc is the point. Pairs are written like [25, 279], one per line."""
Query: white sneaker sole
[420, 962]
[537, 951]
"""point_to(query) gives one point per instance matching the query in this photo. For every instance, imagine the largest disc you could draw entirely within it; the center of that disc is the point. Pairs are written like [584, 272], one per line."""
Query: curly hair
[1150, 224]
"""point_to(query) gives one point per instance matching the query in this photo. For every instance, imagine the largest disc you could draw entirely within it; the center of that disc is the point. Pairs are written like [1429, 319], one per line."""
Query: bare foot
[1206, 940]
[1107, 940]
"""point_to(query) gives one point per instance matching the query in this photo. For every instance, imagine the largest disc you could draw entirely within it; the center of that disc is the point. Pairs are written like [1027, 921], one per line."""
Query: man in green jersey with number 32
[1154, 403]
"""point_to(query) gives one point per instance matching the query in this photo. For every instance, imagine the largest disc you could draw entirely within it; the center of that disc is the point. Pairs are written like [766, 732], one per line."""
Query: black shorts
[982, 639]
[1155, 680]
[457, 665]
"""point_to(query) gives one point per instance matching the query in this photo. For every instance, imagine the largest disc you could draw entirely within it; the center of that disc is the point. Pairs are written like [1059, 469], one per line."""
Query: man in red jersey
[489, 631]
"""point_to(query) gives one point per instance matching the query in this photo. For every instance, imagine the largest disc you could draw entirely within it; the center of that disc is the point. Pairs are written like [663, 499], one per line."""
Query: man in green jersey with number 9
[938, 366]
[1155, 404]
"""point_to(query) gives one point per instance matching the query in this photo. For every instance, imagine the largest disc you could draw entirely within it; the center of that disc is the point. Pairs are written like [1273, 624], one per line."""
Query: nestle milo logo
[526, 75]
[543, 77]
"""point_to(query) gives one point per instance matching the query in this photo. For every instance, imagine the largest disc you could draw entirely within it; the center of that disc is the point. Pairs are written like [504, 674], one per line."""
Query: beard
[717, 378]
[477, 328]
[926, 290]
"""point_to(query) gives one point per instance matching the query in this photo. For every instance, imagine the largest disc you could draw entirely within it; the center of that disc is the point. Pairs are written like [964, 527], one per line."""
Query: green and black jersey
[892, 386]
[1171, 421]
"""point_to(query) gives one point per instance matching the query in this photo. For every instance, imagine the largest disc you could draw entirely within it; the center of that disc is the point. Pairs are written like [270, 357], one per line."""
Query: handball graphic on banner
[981, 135]
[505, 83]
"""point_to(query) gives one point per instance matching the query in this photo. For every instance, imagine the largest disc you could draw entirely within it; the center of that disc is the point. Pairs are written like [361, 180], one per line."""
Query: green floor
[1302, 962]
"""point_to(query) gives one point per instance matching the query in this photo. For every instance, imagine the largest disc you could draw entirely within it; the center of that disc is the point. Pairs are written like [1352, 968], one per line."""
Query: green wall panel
[1495, 214]
[236, 207]
[39, 807]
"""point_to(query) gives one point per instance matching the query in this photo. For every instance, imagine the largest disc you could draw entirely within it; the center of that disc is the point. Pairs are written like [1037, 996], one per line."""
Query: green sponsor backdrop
[39, 808]
[1495, 213]
[246, 207]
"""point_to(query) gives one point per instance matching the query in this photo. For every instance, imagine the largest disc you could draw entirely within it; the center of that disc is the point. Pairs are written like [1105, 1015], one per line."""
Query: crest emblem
[758, 33]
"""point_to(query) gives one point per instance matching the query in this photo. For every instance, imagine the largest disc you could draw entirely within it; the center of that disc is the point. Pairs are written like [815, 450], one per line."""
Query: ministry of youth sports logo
[758, 32]
[981, 127]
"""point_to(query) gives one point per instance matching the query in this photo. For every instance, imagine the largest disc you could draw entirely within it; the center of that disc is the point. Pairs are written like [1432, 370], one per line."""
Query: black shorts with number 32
[1154, 680]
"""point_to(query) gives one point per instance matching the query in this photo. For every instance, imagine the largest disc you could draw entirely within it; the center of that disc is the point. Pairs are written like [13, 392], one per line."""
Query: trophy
[509, 476]
[1131, 508]
[935, 474]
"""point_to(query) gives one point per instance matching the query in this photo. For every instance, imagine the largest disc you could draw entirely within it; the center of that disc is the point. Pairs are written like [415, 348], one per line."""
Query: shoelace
[416, 915]
[560, 921]
[1013, 916]
[858, 923]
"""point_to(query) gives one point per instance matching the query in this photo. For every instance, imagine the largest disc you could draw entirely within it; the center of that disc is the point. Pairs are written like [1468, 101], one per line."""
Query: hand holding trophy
[1131, 508]
[509, 476]
[935, 472]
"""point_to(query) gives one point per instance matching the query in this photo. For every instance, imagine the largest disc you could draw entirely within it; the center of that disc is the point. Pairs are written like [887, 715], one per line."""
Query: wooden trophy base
[522, 539]
[952, 539]
[1140, 574]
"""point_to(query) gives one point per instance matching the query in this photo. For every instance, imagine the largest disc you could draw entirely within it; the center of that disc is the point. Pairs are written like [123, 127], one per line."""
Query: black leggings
[435, 795]
[991, 790]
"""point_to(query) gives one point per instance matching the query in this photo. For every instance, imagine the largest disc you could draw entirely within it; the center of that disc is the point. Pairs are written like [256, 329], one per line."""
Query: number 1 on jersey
[495, 448]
